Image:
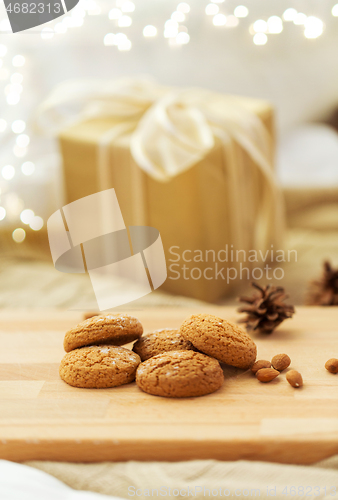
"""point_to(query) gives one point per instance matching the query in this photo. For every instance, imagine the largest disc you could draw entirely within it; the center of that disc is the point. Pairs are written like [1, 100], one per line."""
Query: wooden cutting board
[42, 418]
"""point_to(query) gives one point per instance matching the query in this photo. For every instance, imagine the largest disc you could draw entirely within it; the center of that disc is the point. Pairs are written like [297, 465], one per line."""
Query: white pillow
[20, 482]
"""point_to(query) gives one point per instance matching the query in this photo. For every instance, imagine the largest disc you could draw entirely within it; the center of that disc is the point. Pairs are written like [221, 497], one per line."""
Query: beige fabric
[115, 478]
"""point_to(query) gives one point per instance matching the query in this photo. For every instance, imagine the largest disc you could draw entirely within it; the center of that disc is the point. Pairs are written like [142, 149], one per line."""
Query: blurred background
[276, 50]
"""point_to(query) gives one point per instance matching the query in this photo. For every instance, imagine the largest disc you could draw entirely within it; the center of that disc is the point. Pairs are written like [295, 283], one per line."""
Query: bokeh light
[289, 14]
[27, 216]
[219, 20]
[241, 11]
[18, 61]
[149, 31]
[36, 223]
[8, 172]
[211, 9]
[28, 168]
[260, 39]
[18, 126]
[19, 235]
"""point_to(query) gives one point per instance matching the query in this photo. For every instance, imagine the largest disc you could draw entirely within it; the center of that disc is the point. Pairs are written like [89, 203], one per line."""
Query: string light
[13, 98]
[177, 34]
[260, 39]
[18, 61]
[183, 7]
[170, 29]
[313, 27]
[182, 38]
[178, 16]
[8, 172]
[241, 11]
[124, 46]
[22, 140]
[232, 22]
[149, 31]
[211, 9]
[109, 39]
[219, 20]
[36, 223]
[19, 235]
[124, 21]
[27, 216]
[28, 168]
[260, 26]
[275, 25]
[120, 38]
[18, 126]
[289, 14]
[174, 31]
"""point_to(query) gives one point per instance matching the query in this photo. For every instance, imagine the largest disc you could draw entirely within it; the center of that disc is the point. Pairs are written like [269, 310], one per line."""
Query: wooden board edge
[89, 451]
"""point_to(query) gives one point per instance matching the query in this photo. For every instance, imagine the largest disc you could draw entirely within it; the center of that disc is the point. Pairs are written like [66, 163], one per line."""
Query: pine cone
[266, 310]
[324, 292]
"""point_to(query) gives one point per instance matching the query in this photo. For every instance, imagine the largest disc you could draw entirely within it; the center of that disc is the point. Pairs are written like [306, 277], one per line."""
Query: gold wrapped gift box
[192, 210]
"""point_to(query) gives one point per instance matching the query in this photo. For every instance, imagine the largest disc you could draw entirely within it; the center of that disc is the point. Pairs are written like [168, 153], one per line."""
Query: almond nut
[280, 362]
[266, 374]
[261, 363]
[294, 378]
[332, 365]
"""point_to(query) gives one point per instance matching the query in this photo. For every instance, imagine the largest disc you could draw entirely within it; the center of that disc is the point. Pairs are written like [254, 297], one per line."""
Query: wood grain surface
[42, 418]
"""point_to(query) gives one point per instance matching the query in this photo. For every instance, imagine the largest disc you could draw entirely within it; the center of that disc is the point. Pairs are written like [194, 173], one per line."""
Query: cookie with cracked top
[160, 341]
[99, 367]
[221, 339]
[114, 329]
[180, 374]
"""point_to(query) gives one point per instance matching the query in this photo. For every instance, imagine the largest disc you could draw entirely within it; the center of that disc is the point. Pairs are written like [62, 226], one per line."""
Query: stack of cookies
[94, 357]
[171, 363]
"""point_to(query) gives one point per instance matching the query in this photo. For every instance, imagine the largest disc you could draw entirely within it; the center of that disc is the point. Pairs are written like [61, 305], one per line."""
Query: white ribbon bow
[172, 130]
